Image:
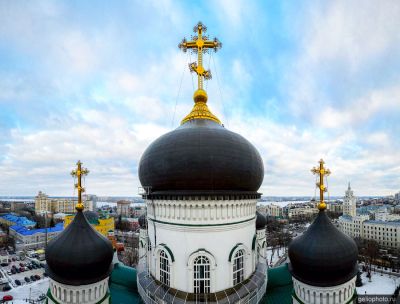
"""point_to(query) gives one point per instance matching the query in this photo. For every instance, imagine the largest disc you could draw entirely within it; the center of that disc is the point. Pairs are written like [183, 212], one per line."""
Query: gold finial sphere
[200, 96]
[321, 206]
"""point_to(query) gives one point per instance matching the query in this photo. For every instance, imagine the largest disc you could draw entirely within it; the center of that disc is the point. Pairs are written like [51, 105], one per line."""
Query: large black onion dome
[201, 156]
[261, 221]
[143, 221]
[79, 255]
[323, 255]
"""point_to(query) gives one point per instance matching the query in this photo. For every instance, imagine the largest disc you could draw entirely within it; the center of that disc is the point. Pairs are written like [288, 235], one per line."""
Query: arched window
[201, 271]
[238, 267]
[164, 268]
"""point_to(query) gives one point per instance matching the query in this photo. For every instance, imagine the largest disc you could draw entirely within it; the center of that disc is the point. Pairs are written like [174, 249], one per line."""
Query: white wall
[215, 227]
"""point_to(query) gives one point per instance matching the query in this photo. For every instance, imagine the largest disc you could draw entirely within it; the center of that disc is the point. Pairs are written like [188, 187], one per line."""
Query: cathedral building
[201, 183]
[201, 239]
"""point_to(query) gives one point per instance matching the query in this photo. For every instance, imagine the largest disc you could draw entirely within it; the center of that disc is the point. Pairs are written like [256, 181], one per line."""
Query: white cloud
[360, 110]
[340, 44]
[109, 145]
[232, 12]
[353, 31]
[116, 99]
[78, 52]
[289, 153]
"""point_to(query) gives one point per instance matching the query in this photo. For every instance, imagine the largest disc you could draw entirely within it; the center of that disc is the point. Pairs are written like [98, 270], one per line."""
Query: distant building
[138, 210]
[387, 234]
[133, 223]
[353, 226]
[91, 198]
[33, 238]
[102, 224]
[16, 206]
[335, 207]
[305, 211]
[43, 203]
[273, 210]
[11, 220]
[382, 230]
[349, 203]
[123, 208]
[384, 215]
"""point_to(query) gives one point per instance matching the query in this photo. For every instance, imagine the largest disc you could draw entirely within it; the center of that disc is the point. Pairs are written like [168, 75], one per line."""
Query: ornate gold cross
[322, 171]
[200, 44]
[79, 172]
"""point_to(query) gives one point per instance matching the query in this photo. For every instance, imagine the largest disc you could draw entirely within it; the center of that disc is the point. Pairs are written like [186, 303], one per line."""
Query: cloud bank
[100, 82]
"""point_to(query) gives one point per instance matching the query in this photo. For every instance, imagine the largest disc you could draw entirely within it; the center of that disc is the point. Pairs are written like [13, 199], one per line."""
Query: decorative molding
[163, 246]
[308, 294]
[210, 212]
[201, 225]
[88, 294]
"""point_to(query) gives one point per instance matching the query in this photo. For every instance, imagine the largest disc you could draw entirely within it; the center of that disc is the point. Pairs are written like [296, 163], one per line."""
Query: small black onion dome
[143, 221]
[323, 255]
[201, 155]
[261, 221]
[79, 255]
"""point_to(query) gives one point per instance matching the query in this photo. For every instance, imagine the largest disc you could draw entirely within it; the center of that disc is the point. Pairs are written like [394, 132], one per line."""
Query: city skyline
[101, 82]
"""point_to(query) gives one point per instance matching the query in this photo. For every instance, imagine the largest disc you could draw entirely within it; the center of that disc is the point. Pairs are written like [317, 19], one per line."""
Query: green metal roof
[121, 295]
[279, 286]
[123, 286]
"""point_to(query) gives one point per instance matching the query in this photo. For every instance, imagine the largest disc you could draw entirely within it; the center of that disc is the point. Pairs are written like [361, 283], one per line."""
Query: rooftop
[279, 287]
[386, 223]
[24, 231]
[18, 220]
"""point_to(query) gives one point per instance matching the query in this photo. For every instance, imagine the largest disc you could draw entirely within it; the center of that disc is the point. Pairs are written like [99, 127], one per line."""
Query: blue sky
[99, 81]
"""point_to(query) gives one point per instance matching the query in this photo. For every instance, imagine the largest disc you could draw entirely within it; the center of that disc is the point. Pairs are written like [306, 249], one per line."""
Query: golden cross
[322, 171]
[200, 44]
[79, 172]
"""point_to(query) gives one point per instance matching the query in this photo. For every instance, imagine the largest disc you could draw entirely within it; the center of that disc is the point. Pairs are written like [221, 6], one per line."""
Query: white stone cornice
[324, 295]
[201, 211]
[87, 294]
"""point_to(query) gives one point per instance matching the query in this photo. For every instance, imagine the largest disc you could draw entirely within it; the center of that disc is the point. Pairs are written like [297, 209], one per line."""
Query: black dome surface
[143, 221]
[323, 255]
[91, 216]
[261, 221]
[79, 255]
[201, 156]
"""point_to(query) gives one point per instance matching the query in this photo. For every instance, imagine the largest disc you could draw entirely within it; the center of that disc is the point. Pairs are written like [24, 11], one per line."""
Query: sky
[98, 81]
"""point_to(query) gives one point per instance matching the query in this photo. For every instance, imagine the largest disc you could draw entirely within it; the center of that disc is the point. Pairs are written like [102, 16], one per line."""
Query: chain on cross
[200, 44]
[321, 171]
[79, 172]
